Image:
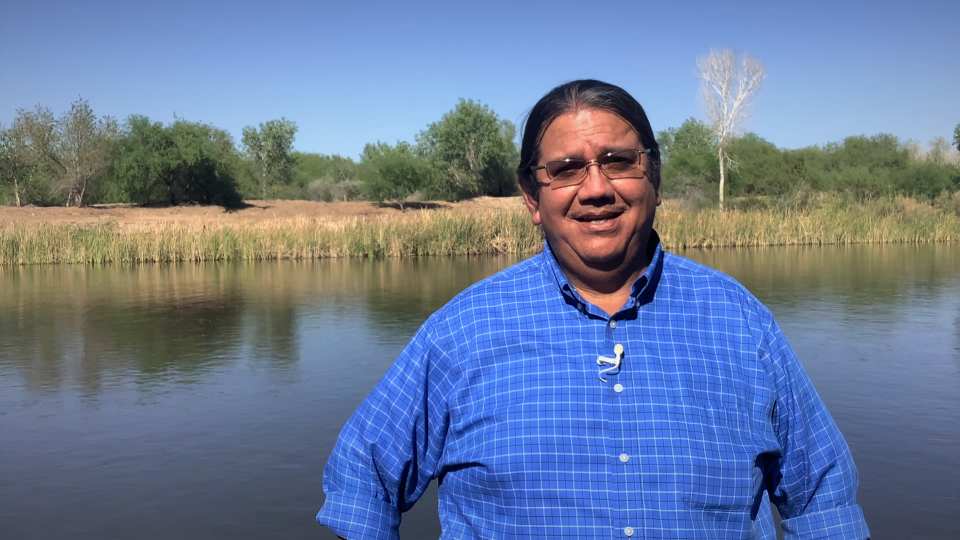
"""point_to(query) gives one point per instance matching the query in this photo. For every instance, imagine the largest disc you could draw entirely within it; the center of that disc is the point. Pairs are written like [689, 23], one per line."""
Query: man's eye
[566, 168]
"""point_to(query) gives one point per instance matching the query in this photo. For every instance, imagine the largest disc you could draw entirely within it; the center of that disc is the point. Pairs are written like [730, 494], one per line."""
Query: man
[601, 389]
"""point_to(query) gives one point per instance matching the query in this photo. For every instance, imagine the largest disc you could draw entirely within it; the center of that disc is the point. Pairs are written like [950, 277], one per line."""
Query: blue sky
[354, 72]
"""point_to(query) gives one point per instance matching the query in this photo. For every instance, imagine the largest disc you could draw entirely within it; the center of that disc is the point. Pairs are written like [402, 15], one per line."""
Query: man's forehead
[587, 132]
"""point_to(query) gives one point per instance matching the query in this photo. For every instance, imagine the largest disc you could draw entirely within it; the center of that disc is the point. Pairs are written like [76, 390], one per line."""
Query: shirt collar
[641, 291]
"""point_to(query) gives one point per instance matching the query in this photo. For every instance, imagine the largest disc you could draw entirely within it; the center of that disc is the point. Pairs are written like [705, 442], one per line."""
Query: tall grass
[899, 220]
[412, 235]
[443, 232]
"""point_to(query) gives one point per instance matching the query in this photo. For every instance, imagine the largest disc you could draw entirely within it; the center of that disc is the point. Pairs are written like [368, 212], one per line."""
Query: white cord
[615, 361]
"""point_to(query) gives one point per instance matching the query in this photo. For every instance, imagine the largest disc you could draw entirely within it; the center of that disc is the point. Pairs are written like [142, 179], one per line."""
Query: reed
[900, 220]
[442, 232]
[412, 235]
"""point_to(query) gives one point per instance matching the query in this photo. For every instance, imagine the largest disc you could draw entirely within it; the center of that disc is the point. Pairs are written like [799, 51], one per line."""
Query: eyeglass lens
[614, 165]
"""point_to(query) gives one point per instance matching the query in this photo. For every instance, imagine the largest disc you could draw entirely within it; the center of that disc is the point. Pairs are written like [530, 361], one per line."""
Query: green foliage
[928, 180]
[83, 149]
[805, 167]
[394, 173]
[757, 167]
[184, 162]
[473, 152]
[325, 178]
[52, 160]
[271, 150]
[308, 167]
[880, 152]
[16, 169]
[78, 158]
[34, 134]
[863, 168]
[689, 161]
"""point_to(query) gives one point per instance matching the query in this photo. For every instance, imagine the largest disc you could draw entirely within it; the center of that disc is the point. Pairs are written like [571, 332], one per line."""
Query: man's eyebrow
[603, 151]
[615, 149]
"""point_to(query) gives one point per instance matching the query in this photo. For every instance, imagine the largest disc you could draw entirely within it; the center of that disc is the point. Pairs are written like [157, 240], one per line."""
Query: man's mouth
[597, 219]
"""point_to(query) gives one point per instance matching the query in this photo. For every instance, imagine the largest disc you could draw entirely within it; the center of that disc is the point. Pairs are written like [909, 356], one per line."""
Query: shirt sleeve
[817, 494]
[388, 451]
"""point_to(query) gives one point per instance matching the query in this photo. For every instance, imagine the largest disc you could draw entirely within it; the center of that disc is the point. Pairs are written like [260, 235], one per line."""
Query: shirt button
[579, 306]
[613, 324]
[618, 388]
[624, 458]
[628, 531]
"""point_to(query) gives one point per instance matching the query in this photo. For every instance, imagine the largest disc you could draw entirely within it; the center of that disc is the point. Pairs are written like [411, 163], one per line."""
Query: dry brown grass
[491, 226]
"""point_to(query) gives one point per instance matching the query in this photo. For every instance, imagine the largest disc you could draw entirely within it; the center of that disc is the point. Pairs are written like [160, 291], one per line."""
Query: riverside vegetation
[862, 189]
[502, 231]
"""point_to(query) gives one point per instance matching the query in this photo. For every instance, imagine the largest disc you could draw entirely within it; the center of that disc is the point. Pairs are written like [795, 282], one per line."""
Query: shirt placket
[625, 495]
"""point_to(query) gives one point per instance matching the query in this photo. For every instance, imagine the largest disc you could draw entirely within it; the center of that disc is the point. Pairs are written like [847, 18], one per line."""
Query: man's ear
[532, 202]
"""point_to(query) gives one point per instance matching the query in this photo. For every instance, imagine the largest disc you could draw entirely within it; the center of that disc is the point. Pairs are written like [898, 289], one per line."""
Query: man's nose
[596, 185]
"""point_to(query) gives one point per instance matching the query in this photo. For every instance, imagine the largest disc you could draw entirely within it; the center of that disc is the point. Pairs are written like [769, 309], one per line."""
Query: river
[202, 400]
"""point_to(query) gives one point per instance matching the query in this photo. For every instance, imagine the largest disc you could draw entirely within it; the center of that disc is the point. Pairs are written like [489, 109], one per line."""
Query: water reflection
[859, 275]
[86, 326]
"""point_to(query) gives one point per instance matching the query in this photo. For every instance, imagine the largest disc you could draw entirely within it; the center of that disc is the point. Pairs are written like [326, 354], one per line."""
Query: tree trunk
[16, 191]
[720, 154]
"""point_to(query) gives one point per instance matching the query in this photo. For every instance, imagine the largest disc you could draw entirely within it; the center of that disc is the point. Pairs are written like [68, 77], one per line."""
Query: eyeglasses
[571, 171]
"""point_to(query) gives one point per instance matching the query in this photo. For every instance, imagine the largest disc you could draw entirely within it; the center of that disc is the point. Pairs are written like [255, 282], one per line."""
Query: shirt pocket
[717, 470]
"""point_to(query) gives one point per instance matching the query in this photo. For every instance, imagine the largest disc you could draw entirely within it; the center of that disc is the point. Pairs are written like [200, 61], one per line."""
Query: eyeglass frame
[586, 166]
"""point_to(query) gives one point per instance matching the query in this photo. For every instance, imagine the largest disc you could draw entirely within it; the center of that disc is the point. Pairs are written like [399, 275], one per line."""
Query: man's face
[600, 223]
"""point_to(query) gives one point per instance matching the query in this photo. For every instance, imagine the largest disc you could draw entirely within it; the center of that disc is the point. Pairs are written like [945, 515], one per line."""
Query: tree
[271, 149]
[326, 178]
[761, 166]
[85, 144]
[939, 151]
[393, 173]
[35, 140]
[956, 137]
[181, 163]
[70, 152]
[473, 152]
[728, 86]
[16, 168]
[927, 180]
[878, 153]
[688, 157]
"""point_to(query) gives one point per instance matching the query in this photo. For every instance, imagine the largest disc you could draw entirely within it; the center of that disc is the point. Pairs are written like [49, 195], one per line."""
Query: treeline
[78, 159]
[861, 167]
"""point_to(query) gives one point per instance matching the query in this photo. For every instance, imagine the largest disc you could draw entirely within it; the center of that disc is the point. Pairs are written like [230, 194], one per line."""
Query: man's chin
[602, 261]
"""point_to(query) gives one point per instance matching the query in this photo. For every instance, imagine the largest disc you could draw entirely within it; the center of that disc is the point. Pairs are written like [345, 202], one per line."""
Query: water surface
[201, 401]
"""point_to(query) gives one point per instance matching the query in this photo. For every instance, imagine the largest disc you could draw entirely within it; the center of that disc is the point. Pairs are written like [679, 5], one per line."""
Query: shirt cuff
[358, 517]
[846, 523]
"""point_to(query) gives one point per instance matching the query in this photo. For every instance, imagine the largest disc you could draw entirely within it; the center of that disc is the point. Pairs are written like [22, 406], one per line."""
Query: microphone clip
[613, 362]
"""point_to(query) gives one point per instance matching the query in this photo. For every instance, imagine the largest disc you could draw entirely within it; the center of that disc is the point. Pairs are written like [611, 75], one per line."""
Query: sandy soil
[127, 214]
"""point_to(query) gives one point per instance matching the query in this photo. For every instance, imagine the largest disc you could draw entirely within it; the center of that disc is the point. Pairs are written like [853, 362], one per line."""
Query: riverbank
[303, 230]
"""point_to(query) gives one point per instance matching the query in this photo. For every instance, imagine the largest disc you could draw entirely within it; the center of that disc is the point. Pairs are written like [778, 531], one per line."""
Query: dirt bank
[254, 211]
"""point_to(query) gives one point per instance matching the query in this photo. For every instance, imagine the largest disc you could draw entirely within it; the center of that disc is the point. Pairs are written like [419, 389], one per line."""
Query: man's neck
[607, 288]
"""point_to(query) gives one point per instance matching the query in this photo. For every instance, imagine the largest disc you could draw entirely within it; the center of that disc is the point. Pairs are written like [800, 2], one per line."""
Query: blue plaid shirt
[707, 417]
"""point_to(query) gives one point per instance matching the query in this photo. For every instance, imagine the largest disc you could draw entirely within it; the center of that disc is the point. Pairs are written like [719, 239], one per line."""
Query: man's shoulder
[521, 282]
[692, 278]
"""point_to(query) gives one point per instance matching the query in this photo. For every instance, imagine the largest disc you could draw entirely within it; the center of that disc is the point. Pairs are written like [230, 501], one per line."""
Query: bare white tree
[729, 82]
[915, 150]
[939, 152]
